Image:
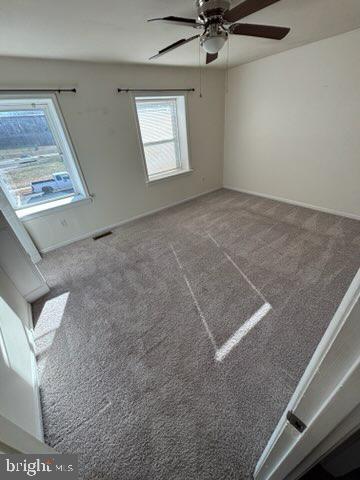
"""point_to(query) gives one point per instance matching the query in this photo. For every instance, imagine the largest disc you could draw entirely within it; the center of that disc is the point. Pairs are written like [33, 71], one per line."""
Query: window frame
[182, 121]
[50, 105]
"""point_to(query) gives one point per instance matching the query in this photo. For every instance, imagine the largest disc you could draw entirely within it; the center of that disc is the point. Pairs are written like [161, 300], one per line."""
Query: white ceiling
[116, 30]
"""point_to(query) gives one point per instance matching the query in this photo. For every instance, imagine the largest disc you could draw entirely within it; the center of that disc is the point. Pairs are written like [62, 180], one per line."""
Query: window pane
[32, 170]
[160, 157]
[159, 133]
[157, 120]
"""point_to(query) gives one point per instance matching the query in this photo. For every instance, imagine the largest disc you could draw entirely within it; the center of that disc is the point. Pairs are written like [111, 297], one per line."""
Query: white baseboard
[123, 222]
[152, 212]
[295, 202]
[37, 293]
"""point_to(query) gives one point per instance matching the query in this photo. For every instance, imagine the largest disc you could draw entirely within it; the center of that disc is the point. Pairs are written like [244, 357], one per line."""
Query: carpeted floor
[169, 349]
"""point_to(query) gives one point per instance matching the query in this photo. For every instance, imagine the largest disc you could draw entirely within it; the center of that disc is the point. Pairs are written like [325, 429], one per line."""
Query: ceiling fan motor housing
[210, 8]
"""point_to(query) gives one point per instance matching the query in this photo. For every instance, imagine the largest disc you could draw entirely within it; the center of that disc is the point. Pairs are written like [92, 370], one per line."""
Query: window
[37, 163]
[162, 127]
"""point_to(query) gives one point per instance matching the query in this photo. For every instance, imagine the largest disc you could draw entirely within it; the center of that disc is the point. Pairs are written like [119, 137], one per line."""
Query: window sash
[164, 99]
[177, 155]
[62, 142]
[159, 142]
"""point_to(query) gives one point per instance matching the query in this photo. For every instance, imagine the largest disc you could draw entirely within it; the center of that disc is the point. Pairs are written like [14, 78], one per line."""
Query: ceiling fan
[218, 21]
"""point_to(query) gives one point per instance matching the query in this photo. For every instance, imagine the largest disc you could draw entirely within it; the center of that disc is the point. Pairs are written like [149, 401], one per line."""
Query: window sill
[165, 176]
[49, 208]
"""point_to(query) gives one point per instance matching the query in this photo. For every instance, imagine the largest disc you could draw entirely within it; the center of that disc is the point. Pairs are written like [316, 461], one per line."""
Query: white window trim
[183, 128]
[63, 140]
[55, 206]
[169, 175]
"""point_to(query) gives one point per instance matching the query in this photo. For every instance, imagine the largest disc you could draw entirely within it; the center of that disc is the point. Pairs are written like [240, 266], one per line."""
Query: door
[19, 392]
[326, 397]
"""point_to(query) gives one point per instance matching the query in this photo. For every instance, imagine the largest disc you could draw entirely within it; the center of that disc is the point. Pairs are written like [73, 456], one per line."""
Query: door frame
[326, 394]
[29, 332]
[342, 432]
[14, 439]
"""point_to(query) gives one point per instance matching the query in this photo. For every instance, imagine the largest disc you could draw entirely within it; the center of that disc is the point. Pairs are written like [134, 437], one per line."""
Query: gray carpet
[169, 349]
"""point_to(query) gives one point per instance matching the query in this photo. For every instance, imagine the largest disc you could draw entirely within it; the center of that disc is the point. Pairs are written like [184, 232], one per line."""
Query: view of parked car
[60, 181]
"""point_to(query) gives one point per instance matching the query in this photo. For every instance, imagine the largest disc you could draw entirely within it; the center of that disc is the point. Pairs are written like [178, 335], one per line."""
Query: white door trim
[328, 383]
[36, 381]
[17, 440]
[341, 433]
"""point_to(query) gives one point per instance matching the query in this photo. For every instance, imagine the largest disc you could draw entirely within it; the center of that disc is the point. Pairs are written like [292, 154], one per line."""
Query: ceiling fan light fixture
[213, 44]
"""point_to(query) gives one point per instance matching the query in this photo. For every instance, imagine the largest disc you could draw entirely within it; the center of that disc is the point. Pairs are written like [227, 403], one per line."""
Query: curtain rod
[155, 90]
[39, 90]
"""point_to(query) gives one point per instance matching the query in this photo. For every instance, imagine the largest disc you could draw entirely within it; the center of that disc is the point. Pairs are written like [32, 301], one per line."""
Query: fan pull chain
[200, 73]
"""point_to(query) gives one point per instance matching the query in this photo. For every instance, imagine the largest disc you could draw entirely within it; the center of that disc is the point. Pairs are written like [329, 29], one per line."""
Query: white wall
[10, 295]
[19, 395]
[102, 127]
[17, 265]
[292, 127]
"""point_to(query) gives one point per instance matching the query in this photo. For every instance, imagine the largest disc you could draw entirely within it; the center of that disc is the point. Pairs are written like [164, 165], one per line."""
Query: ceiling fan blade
[210, 57]
[189, 22]
[177, 44]
[246, 8]
[264, 31]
